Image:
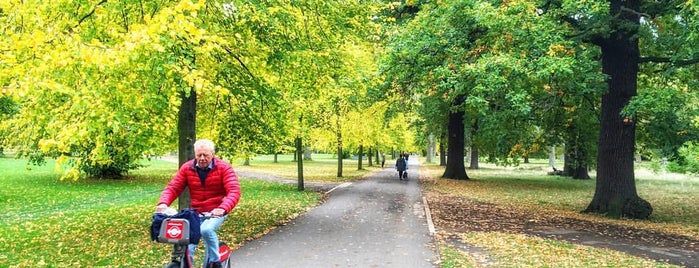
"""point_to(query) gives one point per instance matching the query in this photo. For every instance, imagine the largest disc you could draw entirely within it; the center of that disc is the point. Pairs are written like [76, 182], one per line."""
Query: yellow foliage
[556, 50]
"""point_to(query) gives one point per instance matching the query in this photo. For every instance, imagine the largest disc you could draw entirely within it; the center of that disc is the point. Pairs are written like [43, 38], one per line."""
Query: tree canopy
[98, 84]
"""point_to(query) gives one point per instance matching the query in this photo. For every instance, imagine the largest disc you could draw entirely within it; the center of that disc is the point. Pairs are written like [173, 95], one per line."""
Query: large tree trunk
[615, 191]
[455, 160]
[186, 132]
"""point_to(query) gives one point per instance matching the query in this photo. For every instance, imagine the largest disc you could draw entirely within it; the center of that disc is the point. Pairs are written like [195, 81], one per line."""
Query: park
[536, 124]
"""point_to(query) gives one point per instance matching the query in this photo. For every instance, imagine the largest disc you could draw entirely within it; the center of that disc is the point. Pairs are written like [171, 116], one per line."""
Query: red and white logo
[174, 230]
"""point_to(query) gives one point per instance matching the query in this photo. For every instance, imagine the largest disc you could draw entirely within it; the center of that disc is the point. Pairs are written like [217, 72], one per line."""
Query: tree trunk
[299, 164]
[276, 157]
[552, 158]
[442, 150]
[369, 157]
[339, 161]
[377, 155]
[186, 132]
[359, 157]
[431, 144]
[615, 191]
[455, 165]
[474, 146]
[575, 161]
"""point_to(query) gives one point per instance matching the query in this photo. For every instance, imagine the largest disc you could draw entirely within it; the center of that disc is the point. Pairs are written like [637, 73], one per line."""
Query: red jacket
[221, 188]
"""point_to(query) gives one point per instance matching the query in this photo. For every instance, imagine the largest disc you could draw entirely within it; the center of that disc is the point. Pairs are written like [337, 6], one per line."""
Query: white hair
[208, 144]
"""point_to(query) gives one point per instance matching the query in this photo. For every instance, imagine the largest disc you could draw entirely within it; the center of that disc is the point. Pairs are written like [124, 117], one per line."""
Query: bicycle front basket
[174, 231]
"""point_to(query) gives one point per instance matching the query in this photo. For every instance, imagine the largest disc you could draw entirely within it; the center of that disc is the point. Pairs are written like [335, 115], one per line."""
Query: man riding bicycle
[213, 187]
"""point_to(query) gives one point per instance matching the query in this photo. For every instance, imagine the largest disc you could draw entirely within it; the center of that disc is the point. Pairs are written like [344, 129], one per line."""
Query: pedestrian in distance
[213, 187]
[383, 159]
[401, 166]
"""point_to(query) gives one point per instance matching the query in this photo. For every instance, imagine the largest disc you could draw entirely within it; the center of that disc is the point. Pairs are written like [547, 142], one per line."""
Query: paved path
[376, 222]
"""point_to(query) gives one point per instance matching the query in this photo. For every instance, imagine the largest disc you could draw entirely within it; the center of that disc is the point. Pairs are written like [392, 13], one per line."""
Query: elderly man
[213, 187]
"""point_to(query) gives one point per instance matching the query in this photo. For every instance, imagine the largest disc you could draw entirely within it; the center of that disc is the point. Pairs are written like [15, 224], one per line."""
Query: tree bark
[299, 164]
[615, 191]
[431, 144]
[455, 160]
[339, 161]
[370, 156]
[442, 150]
[359, 157]
[552, 157]
[575, 161]
[474, 146]
[186, 132]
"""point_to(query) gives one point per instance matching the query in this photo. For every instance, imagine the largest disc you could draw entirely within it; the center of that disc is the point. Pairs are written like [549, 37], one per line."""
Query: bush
[674, 166]
[690, 154]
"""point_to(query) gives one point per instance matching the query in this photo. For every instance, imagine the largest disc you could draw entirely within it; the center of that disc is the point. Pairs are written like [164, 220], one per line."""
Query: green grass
[455, 258]
[323, 167]
[86, 223]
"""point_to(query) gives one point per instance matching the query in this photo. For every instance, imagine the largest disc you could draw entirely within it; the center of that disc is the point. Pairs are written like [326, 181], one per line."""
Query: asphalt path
[376, 222]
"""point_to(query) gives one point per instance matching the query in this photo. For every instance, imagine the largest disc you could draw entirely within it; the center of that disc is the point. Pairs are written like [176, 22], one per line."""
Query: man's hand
[160, 208]
[218, 212]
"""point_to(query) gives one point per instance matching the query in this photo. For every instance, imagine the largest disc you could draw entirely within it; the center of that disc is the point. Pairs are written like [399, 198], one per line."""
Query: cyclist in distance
[213, 187]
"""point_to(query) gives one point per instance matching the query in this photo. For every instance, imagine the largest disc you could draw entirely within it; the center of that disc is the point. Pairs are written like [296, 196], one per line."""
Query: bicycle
[176, 231]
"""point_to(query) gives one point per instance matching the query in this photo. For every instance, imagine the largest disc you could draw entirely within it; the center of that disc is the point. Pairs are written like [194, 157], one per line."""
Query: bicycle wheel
[174, 264]
[225, 253]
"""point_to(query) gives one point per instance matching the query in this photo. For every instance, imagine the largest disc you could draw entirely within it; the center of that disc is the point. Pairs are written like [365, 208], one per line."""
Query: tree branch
[241, 63]
[89, 14]
[683, 62]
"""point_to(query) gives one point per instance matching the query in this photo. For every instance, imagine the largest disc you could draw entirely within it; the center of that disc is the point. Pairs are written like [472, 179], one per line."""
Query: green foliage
[690, 152]
[522, 81]
[664, 110]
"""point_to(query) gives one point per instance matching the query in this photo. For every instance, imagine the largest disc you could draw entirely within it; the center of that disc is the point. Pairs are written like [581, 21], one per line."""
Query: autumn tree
[631, 35]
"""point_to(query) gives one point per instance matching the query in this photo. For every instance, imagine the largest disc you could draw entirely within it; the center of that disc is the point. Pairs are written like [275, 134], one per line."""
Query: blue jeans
[208, 234]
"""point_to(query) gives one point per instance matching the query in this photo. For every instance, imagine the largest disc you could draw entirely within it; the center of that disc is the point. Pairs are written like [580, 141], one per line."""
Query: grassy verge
[516, 250]
[105, 223]
[674, 199]
[323, 167]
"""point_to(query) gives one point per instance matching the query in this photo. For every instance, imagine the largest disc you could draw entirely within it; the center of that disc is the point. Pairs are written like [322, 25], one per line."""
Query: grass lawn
[322, 167]
[86, 223]
[105, 223]
[675, 199]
